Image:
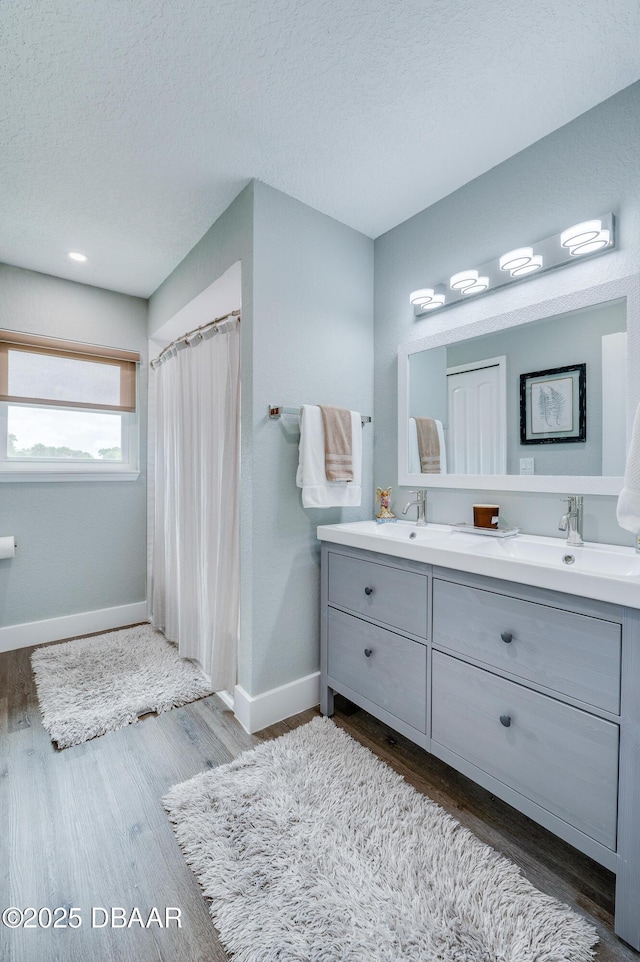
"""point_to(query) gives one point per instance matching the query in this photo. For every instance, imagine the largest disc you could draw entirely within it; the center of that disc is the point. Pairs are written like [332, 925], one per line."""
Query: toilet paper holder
[8, 546]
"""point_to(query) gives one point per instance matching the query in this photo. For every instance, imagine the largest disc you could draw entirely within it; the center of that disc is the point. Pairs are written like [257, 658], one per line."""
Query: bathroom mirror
[538, 399]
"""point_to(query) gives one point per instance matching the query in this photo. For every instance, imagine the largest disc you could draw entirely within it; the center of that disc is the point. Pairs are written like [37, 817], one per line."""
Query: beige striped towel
[337, 443]
[428, 445]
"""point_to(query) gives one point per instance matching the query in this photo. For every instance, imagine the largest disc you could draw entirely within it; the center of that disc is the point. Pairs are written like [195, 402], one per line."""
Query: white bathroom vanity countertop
[601, 571]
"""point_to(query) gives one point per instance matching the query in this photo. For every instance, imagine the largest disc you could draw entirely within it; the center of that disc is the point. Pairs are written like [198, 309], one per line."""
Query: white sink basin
[606, 572]
[406, 531]
[606, 560]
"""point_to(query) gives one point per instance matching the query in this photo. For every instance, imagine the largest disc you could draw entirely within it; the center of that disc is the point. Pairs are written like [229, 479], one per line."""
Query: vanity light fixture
[468, 282]
[521, 261]
[535, 264]
[480, 285]
[585, 238]
[77, 256]
[423, 296]
[588, 237]
[426, 299]
[436, 301]
[463, 280]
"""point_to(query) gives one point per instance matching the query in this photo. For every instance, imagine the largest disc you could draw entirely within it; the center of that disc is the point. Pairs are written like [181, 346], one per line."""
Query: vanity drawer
[568, 653]
[394, 674]
[560, 757]
[391, 595]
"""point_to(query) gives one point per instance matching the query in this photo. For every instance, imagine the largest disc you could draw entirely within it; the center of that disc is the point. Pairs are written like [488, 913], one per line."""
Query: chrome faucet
[571, 521]
[421, 504]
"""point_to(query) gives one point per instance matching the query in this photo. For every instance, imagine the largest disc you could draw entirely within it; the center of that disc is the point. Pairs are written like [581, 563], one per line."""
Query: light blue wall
[81, 545]
[313, 343]
[307, 336]
[229, 240]
[586, 168]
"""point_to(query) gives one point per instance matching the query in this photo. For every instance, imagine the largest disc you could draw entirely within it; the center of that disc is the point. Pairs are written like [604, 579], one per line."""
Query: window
[67, 410]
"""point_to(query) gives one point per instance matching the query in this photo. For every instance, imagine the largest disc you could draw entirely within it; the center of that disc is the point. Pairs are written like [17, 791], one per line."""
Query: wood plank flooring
[85, 827]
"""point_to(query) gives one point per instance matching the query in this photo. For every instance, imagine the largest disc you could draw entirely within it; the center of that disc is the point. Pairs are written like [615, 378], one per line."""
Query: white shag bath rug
[90, 686]
[313, 850]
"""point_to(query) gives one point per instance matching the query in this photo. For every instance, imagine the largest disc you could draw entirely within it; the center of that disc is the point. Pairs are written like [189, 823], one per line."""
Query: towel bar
[277, 411]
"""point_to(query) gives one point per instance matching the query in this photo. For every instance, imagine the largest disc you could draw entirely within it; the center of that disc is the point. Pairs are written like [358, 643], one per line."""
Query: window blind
[40, 370]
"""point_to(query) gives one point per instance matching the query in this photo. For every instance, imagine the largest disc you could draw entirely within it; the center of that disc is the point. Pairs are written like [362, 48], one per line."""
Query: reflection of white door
[476, 416]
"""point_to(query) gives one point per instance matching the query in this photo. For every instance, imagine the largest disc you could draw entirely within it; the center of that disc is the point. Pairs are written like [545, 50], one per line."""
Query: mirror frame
[626, 288]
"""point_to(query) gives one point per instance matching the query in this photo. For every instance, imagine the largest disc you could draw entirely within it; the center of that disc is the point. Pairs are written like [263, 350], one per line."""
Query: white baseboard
[257, 712]
[70, 626]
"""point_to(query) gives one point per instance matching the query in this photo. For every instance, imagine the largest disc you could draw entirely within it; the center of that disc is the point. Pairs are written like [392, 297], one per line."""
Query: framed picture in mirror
[553, 405]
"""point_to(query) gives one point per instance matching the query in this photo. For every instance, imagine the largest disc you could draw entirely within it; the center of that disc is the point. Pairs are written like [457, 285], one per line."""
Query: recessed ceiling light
[76, 256]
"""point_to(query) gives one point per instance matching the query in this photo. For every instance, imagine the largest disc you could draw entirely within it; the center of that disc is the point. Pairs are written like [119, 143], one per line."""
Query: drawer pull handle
[368, 652]
[507, 637]
[505, 720]
[368, 591]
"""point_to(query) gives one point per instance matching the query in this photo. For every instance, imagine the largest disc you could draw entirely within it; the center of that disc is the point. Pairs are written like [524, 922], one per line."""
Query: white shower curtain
[195, 555]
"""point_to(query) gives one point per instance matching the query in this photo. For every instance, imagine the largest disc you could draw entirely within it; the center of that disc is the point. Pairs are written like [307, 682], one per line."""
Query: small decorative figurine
[383, 495]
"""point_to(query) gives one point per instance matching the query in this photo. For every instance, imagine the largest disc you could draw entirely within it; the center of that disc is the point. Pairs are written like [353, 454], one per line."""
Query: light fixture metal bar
[550, 250]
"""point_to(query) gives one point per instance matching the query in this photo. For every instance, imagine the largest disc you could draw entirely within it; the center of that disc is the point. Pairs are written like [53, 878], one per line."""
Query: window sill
[66, 474]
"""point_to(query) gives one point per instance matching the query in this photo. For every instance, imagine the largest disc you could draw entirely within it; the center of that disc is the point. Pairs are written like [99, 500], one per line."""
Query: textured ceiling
[128, 126]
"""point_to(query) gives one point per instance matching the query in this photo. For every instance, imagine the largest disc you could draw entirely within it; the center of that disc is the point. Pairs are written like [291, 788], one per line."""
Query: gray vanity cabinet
[571, 654]
[374, 648]
[552, 754]
[534, 694]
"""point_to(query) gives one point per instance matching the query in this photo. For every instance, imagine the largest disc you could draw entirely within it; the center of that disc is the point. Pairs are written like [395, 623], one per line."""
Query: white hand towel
[311, 476]
[414, 453]
[443, 447]
[628, 511]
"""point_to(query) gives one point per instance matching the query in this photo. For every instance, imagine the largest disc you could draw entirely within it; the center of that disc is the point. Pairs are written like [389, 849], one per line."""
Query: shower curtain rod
[196, 330]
